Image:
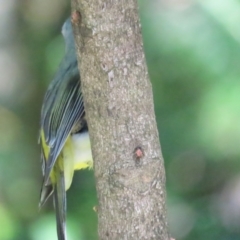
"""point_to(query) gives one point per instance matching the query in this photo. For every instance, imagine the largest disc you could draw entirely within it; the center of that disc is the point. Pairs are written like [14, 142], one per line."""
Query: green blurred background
[193, 54]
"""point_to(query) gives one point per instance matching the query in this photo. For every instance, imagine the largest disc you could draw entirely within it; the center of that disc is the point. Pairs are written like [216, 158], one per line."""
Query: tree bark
[128, 163]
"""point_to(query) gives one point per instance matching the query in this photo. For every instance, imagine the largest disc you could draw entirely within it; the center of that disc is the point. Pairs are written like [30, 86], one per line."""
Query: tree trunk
[128, 163]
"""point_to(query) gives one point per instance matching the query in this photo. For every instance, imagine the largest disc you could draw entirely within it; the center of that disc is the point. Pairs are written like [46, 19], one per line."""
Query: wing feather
[62, 110]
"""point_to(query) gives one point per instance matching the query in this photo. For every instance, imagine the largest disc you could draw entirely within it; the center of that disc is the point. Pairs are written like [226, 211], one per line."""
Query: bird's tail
[59, 197]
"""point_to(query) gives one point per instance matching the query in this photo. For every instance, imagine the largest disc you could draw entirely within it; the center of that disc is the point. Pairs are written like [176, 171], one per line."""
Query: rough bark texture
[128, 163]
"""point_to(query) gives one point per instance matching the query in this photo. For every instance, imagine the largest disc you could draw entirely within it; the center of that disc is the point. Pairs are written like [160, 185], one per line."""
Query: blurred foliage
[193, 54]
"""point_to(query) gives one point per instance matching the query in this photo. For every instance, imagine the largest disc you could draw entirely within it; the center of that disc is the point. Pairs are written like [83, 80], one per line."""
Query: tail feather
[59, 197]
[46, 192]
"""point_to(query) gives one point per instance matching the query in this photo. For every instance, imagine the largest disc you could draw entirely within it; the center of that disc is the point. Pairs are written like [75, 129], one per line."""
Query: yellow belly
[75, 155]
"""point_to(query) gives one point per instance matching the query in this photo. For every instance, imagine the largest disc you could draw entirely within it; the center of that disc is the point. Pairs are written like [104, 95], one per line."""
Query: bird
[64, 138]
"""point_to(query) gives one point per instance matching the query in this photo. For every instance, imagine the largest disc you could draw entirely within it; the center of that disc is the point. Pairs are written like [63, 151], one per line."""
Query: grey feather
[60, 205]
[62, 111]
[63, 103]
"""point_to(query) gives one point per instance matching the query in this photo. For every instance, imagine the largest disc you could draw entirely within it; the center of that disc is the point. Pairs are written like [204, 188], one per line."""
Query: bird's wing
[62, 109]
